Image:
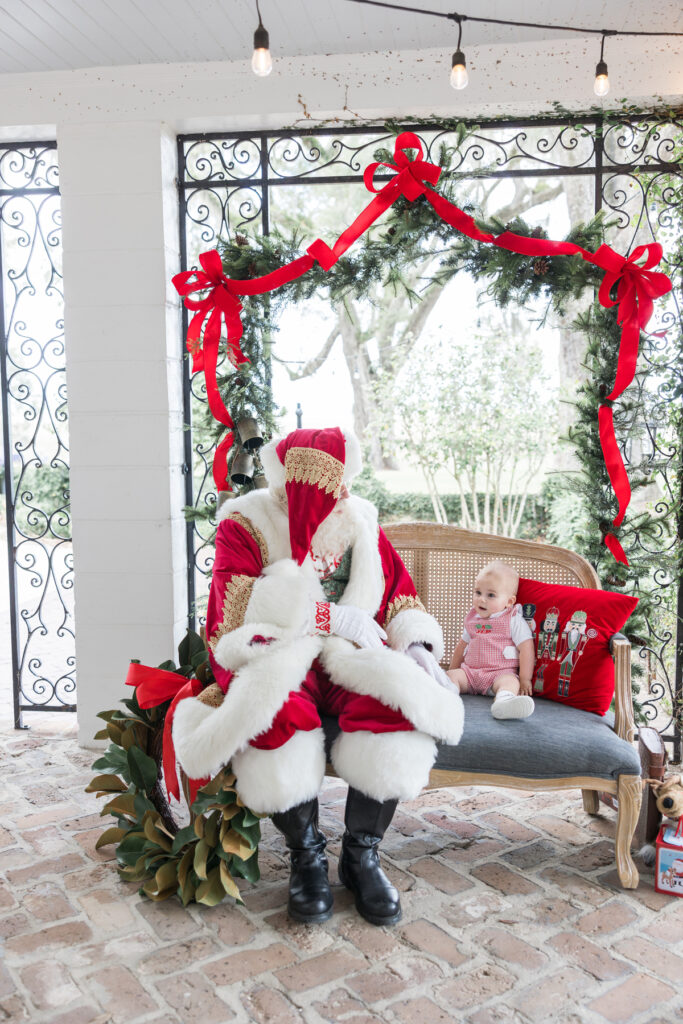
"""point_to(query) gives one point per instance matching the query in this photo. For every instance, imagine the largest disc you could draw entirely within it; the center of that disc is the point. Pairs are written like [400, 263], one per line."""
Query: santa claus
[312, 611]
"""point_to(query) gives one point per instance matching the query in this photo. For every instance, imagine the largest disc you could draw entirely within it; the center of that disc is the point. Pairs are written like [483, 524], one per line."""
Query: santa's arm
[250, 603]
[402, 613]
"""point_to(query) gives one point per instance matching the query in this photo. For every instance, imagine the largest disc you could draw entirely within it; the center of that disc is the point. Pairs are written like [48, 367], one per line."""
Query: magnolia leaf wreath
[199, 862]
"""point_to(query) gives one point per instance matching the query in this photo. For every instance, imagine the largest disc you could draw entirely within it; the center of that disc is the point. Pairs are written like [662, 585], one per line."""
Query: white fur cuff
[385, 766]
[412, 626]
[237, 648]
[269, 781]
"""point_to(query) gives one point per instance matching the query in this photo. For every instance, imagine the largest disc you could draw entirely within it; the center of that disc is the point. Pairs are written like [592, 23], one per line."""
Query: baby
[496, 652]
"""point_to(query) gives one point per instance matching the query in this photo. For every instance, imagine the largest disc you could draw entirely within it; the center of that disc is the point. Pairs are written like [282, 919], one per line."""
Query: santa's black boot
[310, 897]
[359, 869]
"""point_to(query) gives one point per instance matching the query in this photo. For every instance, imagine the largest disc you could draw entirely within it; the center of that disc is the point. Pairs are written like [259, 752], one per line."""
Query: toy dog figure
[669, 800]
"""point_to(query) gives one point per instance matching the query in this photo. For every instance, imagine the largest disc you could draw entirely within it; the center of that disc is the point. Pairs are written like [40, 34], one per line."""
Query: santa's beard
[337, 532]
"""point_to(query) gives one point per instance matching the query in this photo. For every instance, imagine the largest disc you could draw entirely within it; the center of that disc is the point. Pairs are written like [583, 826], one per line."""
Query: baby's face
[491, 595]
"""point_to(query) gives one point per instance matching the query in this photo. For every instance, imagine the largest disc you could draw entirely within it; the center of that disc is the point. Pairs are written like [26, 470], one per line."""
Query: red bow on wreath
[154, 686]
[637, 286]
[220, 306]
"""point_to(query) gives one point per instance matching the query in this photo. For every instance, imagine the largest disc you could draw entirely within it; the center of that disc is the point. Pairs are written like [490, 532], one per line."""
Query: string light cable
[261, 61]
[459, 75]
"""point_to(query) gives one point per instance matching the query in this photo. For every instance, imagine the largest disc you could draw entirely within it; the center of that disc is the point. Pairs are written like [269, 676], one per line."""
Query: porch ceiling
[50, 35]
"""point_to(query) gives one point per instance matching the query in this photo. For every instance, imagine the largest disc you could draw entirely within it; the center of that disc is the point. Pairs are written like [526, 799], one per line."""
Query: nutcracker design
[574, 639]
[528, 612]
[547, 645]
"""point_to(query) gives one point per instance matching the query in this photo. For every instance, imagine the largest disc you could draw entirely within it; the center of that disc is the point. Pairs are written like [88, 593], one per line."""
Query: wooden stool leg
[591, 804]
[629, 795]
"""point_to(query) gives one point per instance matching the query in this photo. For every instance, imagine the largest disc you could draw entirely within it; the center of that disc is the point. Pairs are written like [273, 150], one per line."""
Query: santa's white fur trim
[353, 462]
[269, 781]
[399, 683]
[267, 516]
[283, 595]
[235, 649]
[272, 467]
[206, 738]
[384, 766]
[413, 626]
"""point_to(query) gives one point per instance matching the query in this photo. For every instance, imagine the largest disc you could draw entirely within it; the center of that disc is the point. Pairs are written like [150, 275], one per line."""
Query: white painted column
[124, 381]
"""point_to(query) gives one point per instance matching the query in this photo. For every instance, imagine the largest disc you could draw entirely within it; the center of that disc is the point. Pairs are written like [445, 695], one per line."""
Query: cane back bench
[558, 747]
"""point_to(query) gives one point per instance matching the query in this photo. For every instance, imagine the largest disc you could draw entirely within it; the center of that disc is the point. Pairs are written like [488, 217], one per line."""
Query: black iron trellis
[225, 181]
[35, 431]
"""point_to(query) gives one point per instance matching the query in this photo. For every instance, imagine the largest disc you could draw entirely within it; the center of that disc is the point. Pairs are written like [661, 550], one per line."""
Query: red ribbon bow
[637, 287]
[411, 175]
[220, 305]
[411, 180]
[154, 686]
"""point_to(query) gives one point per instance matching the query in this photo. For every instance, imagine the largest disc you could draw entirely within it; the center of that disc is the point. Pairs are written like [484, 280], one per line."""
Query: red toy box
[669, 863]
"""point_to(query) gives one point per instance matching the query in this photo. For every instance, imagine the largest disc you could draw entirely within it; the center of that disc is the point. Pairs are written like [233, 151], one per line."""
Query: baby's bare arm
[458, 654]
[526, 666]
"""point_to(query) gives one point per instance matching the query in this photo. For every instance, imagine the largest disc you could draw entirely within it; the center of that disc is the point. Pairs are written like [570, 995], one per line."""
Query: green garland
[198, 862]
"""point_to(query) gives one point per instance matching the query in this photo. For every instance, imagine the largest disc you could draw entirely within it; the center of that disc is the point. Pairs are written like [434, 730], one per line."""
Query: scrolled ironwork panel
[643, 141]
[35, 424]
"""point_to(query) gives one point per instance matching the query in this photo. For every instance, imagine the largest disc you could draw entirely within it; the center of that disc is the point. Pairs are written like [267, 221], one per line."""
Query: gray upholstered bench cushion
[555, 742]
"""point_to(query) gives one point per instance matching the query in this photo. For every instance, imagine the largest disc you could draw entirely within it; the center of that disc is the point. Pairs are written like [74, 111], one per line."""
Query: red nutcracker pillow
[572, 629]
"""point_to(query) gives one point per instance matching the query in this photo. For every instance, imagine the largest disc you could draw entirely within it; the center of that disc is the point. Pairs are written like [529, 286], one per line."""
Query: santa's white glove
[426, 660]
[347, 621]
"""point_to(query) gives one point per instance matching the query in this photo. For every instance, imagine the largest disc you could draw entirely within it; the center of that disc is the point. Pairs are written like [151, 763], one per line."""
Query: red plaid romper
[484, 658]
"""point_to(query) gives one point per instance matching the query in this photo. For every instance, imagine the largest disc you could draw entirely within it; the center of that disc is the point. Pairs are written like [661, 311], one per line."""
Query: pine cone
[241, 240]
[537, 233]
[541, 266]
[252, 269]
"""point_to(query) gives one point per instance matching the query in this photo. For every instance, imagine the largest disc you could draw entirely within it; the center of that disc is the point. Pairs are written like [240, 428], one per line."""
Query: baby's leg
[507, 681]
[458, 676]
[508, 703]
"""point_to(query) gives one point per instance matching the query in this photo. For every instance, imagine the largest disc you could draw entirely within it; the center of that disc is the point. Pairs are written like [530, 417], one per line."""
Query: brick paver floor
[512, 914]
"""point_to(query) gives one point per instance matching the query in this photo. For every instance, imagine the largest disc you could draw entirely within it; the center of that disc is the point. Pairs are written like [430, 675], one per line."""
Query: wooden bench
[558, 747]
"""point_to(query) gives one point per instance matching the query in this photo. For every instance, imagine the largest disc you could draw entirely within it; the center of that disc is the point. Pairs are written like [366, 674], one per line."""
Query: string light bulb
[261, 61]
[459, 76]
[601, 84]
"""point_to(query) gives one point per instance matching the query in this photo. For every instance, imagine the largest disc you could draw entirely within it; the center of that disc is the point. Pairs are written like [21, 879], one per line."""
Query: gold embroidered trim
[212, 696]
[312, 466]
[253, 532]
[399, 604]
[235, 600]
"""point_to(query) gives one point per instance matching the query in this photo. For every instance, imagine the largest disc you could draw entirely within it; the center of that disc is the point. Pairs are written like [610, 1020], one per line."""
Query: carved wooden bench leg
[629, 795]
[591, 804]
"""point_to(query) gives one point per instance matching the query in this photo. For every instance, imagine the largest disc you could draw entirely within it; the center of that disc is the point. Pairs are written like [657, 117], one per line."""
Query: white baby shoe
[511, 705]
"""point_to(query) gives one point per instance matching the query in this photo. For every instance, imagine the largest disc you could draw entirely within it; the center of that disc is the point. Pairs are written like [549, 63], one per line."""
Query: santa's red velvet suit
[275, 658]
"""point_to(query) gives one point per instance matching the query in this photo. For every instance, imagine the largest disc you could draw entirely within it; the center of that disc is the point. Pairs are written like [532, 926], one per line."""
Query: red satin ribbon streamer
[154, 686]
[637, 286]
